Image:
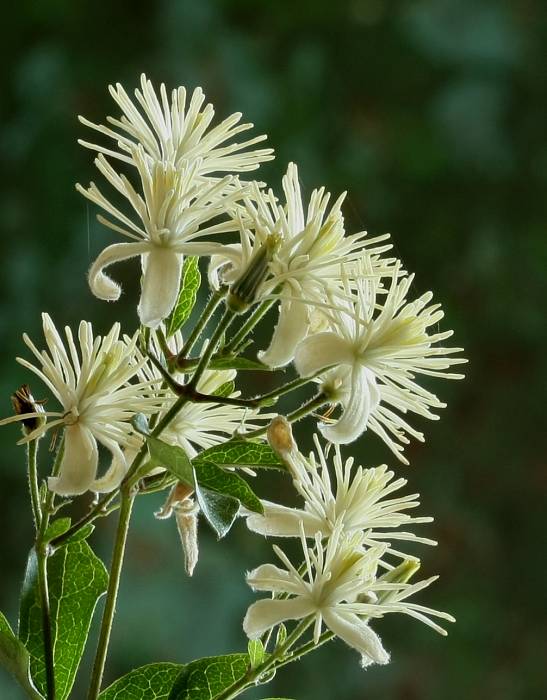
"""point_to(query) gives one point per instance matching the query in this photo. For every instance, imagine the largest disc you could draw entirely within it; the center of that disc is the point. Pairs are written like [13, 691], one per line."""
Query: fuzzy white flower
[174, 131]
[174, 214]
[337, 576]
[93, 386]
[359, 500]
[306, 264]
[379, 346]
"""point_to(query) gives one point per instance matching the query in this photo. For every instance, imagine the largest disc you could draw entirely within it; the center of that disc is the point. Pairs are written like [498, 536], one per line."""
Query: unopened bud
[244, 290]
[24, 402]
[186, 515]
[400, 574]
[280, 436]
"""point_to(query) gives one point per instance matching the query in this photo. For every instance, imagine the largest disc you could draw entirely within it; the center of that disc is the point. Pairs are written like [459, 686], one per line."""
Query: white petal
[115, 474]
[160, 285]
[363, 399]
[356, 632]
[101, 285]
[269, 577]
[292, 327]
[266, 613]
[281, 521]
[79, 463]
[321, 350]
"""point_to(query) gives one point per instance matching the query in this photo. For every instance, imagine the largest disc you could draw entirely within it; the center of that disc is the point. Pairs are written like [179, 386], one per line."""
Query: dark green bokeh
[432, 115]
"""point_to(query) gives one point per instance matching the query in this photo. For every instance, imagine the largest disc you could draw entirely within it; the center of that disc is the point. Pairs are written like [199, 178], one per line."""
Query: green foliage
[281, 637]
[189, 285]
[151, 682]
[212, 477]
[220, 511]
[206, 678]
[77, 579]
[225, 389]
[15, 658]
[256, 652]
[140, 423]
[241, 363]
[242, 453]
[172, 458]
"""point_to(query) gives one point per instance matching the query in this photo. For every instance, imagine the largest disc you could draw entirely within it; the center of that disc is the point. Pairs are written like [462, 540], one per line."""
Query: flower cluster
[345, 316]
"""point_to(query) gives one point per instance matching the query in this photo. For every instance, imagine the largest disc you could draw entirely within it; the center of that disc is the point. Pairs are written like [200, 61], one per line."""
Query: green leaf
[140, 423]
[189, 285]
[281, 636]
[214, 478]
[204, 679]
[225, 389]
[171, 458]
[241, 363]
[56, 528]
[256, 652]
[15, 659]
[220, 511]
[77, 579]
[152, 682]
[242, 453]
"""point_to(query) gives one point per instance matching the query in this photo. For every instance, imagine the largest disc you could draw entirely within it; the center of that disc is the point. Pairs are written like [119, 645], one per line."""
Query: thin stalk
[254, 674]
[42, 556]
[127, 499]
[214, 301]
[235, 343]
[304, 410]
[224, 322]
[32, 472]
[301, 651]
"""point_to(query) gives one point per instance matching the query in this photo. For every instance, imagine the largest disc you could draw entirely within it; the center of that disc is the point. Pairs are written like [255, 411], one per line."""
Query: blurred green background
[433, 115]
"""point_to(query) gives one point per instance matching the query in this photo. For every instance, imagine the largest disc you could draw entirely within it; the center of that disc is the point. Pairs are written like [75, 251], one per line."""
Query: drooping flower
[173, 215]
[98, 398]
[306, 266]
[379, 345]
[182, 505]
[356, 500]
[337, 576]
[176, 131]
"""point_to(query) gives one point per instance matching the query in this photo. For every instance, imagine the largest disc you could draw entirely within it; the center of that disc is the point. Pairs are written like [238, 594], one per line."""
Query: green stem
[127, 499]
[42, 556]
[214, 301]
[253, 675]
[301, 651]
[304, 410]
[32, 470]
[224, 322]
[238, 339]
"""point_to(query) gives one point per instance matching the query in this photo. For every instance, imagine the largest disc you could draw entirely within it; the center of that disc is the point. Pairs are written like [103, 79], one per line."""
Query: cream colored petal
[292, 328]
[356, 632]
[115, 473]
[79, 463]
[160, 286]
[363, 399]
[103, 286]
[281, 521]
[321, 350]
[264, 614]
[269, 577]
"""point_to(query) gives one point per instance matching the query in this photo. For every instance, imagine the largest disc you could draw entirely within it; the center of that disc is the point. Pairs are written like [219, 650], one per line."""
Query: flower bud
[280, 436]
[244, 290]
[24, 402]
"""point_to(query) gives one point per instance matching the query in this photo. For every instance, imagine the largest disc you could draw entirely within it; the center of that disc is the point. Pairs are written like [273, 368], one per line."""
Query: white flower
[98, 402]
[337, 576]
[307, 263]
[173, 132]
[175, 210]
[359, 500]
[379, 346]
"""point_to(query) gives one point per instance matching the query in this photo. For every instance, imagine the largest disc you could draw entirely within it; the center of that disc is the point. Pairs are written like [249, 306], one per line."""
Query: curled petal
[264, 614]
[269, 577]
[364, 397]
[321, 350]
[116, 472]
[160, 286]
[291, 328]
[103, 286]
[356, 632]
[281, 521]
[79, 463]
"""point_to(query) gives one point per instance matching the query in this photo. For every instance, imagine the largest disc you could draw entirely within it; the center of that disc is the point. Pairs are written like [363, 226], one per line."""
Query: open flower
[174, 214]
[98, 401]
[379, 345]
[356, 500]
[174, 132]
[306, 265]
[337, 576]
